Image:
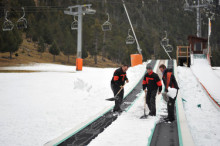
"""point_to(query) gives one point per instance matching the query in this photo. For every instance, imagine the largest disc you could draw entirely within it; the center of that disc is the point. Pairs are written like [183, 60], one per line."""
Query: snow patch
[38, 107]
[81, 85]
[207, 77]
[203, 120]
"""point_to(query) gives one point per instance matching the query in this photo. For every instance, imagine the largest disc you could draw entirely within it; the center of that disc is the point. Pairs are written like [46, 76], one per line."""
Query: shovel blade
[143, 117]
[111, 99]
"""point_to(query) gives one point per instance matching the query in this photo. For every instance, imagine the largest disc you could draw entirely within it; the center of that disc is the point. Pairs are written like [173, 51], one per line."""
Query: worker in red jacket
[169, 80]
[117, 83]
[151, 83]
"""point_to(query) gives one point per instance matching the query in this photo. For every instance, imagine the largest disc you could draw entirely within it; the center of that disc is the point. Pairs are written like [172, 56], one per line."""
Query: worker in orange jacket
[169, 80]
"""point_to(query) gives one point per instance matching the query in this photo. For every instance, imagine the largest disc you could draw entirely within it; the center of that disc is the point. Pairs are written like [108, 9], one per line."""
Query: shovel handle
[120, 90]
[145, 100]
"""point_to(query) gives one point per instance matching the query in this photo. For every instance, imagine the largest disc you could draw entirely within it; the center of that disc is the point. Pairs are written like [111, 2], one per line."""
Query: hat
[149, 66]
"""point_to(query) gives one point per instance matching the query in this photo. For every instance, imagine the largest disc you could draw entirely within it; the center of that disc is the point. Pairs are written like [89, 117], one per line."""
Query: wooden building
[197, 45]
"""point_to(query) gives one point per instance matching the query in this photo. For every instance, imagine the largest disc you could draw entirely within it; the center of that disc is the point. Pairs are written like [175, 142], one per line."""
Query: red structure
[197, 45]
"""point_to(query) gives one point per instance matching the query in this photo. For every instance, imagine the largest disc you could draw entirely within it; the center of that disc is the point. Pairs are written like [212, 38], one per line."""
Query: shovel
[116, 96]
[144, 116]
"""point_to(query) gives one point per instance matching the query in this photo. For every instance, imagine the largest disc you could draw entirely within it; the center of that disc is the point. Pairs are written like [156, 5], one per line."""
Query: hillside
[27, 53]
[47, 23]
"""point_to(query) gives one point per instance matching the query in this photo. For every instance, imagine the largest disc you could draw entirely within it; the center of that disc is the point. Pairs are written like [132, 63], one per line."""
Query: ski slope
[40, 106]
[207, 77]
[203, 122]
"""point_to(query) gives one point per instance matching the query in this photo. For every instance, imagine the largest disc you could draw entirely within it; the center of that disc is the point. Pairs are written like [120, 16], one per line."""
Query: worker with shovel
[151, 83]
[117, 86]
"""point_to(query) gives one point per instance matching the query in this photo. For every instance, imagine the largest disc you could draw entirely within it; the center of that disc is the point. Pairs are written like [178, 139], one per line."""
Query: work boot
[169, 120]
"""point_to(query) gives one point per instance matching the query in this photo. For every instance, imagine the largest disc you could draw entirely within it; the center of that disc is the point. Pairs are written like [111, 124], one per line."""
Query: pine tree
[54, 50]
[41, 46]
[12, 41]
[69, 46]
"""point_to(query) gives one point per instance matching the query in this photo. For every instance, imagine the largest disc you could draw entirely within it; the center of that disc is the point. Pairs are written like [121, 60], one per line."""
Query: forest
[48, 26]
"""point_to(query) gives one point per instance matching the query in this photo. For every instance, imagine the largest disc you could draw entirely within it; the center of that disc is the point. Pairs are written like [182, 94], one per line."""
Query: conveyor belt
[166, 134]
[87, 134]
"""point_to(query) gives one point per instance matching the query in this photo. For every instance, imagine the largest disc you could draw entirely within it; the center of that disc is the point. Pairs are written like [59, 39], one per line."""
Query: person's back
[169, 79]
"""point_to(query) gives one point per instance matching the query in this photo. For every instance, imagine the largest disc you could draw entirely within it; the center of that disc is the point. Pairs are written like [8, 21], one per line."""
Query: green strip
[95, 118]
[178, 120]
[134, 101]
[150, 137]
[152, 130]
[178, 126]
[82, 128]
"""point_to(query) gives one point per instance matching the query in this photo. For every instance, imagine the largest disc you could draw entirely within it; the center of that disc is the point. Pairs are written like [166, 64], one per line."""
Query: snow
[43, 67]
[129, 129]
[38, 107]
[207, 77]
[172, 92]
[203, 122]
[216, 71]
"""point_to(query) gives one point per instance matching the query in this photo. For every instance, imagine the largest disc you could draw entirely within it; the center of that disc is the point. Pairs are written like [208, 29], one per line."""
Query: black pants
[170, 107]
[118, 102]
[151, 97]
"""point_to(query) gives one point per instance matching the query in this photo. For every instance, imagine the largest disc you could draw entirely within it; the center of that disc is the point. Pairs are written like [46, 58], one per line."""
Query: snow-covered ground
[203, 122]
[216, 71]
[38, 107]
[207, 77]
[42, 67]
[129, 129]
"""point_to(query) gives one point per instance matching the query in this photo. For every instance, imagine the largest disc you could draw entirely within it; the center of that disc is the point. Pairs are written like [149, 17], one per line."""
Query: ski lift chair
[74, 25]
[130, 39]
[187, 7]
[169, 48]
[164, 42]
[7, 25]
[89, 10]
[107, 26]
[22, 22]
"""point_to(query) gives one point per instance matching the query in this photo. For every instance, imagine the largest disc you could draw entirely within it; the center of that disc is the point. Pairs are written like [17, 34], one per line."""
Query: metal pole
[187, 55]
[79, 33]
[166, 52]
[177, 55]
[138, 46]
[209, 31]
